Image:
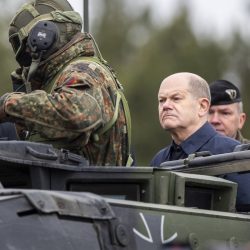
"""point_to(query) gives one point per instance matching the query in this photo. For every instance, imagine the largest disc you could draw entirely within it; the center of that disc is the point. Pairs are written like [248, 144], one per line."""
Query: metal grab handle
[50, 156]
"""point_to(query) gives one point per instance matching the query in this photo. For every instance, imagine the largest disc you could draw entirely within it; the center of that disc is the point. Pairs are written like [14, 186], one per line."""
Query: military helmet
[60, 12]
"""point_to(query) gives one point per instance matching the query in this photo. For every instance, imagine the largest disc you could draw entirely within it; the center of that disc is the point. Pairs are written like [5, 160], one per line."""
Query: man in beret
[226, 112]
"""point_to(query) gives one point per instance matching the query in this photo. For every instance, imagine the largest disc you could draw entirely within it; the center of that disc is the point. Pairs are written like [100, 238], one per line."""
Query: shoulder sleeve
[64, 113]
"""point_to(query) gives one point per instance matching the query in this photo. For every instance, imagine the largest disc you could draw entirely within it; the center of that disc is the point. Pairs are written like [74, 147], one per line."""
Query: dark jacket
[8, 131]
[204, 139]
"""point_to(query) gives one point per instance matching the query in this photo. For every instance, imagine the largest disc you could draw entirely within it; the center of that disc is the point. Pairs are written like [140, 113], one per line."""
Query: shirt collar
[194, 142]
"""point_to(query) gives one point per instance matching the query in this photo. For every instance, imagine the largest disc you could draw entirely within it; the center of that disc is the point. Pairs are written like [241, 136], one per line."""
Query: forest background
[142, 53]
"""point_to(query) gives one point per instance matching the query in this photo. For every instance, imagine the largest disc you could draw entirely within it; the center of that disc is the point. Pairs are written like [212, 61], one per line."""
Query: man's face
[178, 108]
[226, 119]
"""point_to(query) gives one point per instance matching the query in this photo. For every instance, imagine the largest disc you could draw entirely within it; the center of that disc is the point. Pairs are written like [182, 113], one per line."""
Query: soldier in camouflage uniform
[72, 98]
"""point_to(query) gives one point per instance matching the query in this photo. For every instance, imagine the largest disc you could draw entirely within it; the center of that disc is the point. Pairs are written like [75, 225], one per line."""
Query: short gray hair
[240, 107]
[199, 87]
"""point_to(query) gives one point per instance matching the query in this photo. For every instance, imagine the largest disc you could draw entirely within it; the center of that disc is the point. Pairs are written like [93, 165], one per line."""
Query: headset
[41, 39]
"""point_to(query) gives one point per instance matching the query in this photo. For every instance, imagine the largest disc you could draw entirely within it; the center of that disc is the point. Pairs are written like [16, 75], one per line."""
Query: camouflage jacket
[239, 137]
[82, 101]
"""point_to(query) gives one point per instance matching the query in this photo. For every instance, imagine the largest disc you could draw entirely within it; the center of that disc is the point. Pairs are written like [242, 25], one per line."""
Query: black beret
[224, 92]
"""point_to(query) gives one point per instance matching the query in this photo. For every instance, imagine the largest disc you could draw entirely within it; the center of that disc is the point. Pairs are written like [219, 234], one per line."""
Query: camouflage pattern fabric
[81, 103]
[241, 139]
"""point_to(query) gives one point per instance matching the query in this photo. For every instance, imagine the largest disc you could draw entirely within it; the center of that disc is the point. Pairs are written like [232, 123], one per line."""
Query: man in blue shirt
[183, 104]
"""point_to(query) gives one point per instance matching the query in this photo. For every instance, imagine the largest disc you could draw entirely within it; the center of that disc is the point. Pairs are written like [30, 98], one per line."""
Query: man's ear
[204, 105]
[242, 120]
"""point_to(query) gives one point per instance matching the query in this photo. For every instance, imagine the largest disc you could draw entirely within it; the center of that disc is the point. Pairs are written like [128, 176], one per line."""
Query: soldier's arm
[65, 113]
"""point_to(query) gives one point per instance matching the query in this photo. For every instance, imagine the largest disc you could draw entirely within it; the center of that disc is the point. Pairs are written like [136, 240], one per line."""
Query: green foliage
[173, 48]
[238, 58]
[7, 62]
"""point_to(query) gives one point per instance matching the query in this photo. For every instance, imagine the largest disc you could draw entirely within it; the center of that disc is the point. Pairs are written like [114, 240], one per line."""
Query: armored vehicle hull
[52, 199]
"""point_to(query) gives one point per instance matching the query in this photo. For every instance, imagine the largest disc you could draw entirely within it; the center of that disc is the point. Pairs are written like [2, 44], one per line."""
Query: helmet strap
[36, 59]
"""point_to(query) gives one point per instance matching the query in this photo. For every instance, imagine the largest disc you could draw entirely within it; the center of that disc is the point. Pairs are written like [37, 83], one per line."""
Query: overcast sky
[216, 17]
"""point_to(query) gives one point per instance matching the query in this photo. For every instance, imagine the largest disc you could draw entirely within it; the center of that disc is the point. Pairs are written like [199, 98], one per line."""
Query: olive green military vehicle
[52, 199]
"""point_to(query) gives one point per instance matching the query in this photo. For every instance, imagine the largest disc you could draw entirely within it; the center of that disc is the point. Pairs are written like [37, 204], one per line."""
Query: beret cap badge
[232, 93]
[224, 92]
